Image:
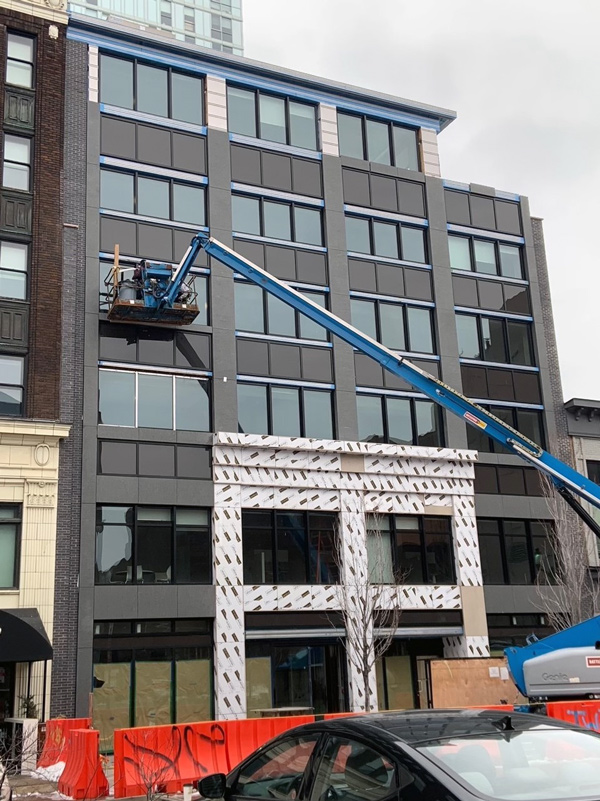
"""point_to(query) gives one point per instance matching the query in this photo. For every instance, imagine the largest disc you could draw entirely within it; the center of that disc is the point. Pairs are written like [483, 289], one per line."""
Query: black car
[428, 755]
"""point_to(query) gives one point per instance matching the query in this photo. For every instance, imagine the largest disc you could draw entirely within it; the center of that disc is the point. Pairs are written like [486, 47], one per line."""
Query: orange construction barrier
[582, 713]
[167, 757]
[57, 739]
[83, 777]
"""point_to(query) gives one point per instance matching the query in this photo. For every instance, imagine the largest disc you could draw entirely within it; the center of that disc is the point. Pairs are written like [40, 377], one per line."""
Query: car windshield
[540, 763]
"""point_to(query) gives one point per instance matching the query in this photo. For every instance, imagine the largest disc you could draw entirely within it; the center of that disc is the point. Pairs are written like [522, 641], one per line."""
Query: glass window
[370, 418]
[318, 418]
[116, 191]
[517, 553]
[406, 153]
[252, 409]
[116, 81]
[419, 329]
[468, 336]
[350, 136]
[241, 111]
[117, 458]
[272, 118]
[14, 258]
[249, 313]
[114, 545]
[385, 239]
[277, 223]
[409, 550]
[186, 98]
[155, 401]
[192, 547]
[11, 385]
[391, 320]
[152, 92]
[485, 257]
[379, 549]
[413, 244]
[116, 405]
[188, 204]
[363, 316]
[303, 129]
[192, 404]
[19, 61]
[285, 411]
[460, 253]
[400, 429]
[519, 343]
[352, 770]
[593, 471]
[291, 546]
[307, 225]
[10, 530]
[427, 417]
[492, 339]
[438, 550]
[357, 235]
[282, 317]
[378, 142]
[153, 197]
[153, 553]
[17, 158]
[308, 328]
[510, 261]
[278, 771]
[246, 214]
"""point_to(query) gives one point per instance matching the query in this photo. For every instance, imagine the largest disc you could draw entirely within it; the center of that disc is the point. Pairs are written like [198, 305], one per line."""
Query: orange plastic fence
[167, 757]
[57, 739]
[582, 713]
[83, 777]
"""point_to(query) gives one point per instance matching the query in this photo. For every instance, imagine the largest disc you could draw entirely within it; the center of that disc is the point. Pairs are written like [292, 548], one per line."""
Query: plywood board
[472, 682]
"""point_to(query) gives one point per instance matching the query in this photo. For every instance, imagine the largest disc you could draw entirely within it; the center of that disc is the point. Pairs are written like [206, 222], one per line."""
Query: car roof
[426, 725]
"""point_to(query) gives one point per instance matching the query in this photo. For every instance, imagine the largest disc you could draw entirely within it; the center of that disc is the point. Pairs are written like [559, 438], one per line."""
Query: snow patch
[50, 774]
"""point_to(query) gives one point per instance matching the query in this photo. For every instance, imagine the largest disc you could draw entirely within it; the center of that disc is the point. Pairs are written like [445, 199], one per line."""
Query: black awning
[23, 637]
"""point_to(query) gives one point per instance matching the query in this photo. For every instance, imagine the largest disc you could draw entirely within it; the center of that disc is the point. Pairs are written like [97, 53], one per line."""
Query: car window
[278, 771]
[351, 771]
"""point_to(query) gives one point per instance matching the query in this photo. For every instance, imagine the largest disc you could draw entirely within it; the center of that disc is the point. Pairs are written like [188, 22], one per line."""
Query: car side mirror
[213, 786]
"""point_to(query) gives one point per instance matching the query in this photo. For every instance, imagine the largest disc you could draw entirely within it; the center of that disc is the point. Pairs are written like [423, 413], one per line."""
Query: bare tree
[567, 592]
[370, 601]
[17, 756]
[153, 765]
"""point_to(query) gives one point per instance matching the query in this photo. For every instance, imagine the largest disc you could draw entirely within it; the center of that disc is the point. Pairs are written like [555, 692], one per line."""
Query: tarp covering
[23, 637]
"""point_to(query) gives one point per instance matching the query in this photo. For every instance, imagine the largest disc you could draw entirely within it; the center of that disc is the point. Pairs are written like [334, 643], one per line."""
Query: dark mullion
[269, 408]
[503, 551]
[399, 242]
[265, 312]
[391, 144]
[288, 127]
[384, 418]
[472, 252]
[169, 93]
[274, 546]
[256, 94]
[413, 419]
[134, 548]
[307, 552]
[173, 536]
[292, 214]
[301, 412]
[363, 126]
[135, 85]
[424, 564]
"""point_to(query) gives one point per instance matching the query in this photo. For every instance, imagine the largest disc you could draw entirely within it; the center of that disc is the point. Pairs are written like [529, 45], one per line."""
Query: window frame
[134, 544]
[364, 118]
[136, 444]
[494, 447]
[9, 271]
[399, 226]
[32, 63]
[501, 537]
[18, 522]
[301, 389]
[170, 71]
[298, 316]
[505, 321]
[291, 205]
[497, 243]
[23, 386]
[413, 416]
[405, 306]
[288, 128]
[28, 164]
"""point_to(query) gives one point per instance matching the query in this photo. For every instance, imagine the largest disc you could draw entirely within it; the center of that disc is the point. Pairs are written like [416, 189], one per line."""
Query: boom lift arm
[565, 478]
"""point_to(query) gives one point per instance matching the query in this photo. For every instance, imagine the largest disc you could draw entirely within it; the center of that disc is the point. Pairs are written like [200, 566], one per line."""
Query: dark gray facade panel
[513, 599]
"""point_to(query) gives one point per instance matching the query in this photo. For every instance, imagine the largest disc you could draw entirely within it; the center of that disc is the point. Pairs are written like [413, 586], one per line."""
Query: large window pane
[252, 409]
[116, 190]
[186, 98]
[246, 214]
[303, 130]
[530, 425]
[405, 148]
[379, 550]
[409, 551]
[460, 253]
[400, 430]
[116, 81]
[419, 330]
[291, 549]
[307, 224]
[391, 321]
[350, 136]
[282, 317]
[385, 239]
[285, 412]
[114, 546]
[363, 316]
[468, 337]
[258, 554]
[438, 551]
[154, 562]
[17, 158]
[249, 314]
[13, 256]
[8, 554]
[519, 342]
[152, 90]
[370, 419]
[117, 458]
[413, 244]
[192, 404]
[358, 239]
[492, 337]
[155, 401]
[510, 261]
[192, 556]
[19, 62]
[378, 142]
[427, 416]
[188, 204]
[11, 401]
[116, 405]
[272, 118]
[13, 270]
[491, 559]
[517, 553]
[318, 420]
[153, 198]
[277, 223]
[308, 328]
[241, 111]
[485, 257]
[19, 74]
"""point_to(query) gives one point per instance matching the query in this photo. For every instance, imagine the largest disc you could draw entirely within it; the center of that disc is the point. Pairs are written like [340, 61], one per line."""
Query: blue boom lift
[162, 294]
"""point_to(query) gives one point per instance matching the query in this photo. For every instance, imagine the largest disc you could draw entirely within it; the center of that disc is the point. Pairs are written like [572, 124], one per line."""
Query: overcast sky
[524, 78]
